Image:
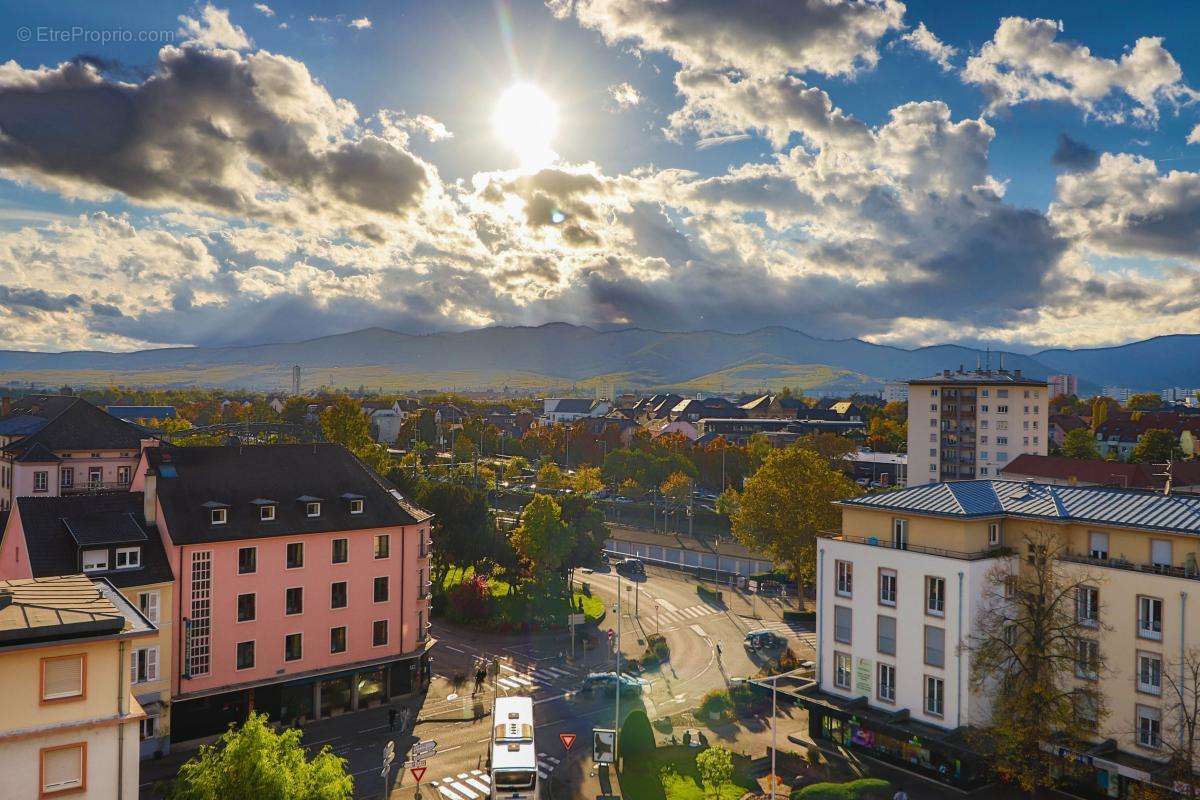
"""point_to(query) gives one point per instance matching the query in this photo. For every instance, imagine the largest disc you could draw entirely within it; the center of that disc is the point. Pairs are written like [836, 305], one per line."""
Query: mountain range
[559, 356]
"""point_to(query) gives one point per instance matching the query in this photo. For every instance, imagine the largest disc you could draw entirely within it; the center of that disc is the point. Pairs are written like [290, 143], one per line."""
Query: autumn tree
[786, 503]
[542, 539]
[1080, 443]
[515, 468]
[1143, 401]
[1156, 445]
[549, 476]
[1103, 409]
[257, 761]
[1180, 737]
[295, 409]
[757, 449]
[586, 529]
[830, 446]
[587, 480]
[344, 422]
[464, 447]
[677, 487]
[1038, 628]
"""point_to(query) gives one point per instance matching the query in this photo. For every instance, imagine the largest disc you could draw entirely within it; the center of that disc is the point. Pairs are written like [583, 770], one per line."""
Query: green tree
[295, 409]
[515, 468]
[677, 487]
[587, 480]
[344, 422]
[1144, 401]
[463, 529]
[637, 737]
[786, 503]
[464, 448]
[1080, 443]
[1026, 654]
[728, 502]
[549, 476]
[257, 761]
[1156, 445]
[716, 769]
[586, 528]
[757, 449]
[542, 539]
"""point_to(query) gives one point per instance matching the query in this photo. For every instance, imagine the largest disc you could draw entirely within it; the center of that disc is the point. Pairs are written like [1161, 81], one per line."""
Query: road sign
[567, 739]
[577, 619]
[604, 745]
[389, 750]
[420, 748]
[418, 773]
[416, 762]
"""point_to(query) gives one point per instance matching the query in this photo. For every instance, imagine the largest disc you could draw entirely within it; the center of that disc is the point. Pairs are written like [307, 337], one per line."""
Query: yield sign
[567, 739]
[418, 773]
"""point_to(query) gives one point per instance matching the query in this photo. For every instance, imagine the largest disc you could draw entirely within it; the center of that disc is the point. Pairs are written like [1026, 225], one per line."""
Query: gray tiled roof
[1087, 504]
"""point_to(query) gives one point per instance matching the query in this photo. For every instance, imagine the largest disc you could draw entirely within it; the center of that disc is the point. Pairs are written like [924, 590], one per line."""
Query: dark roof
[726, 547]
[37, 453]
[57, 528]
[66, 423]
[1100, 472]
[46, 610]
[239, 475]
[1067, 422]
[1130, 425]
[131, 413]
[980, 377]
[571, 405]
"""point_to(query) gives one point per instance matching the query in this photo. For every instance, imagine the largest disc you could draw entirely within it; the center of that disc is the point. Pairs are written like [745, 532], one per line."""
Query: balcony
[1191, 571]
[872, 541]
[94, 487]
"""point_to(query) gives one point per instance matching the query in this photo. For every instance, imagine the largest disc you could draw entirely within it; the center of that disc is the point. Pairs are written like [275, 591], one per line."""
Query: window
[1002, 455]
[147, 728]
[293, 647]
[841, 670]
[845, 578]
[129, 557]
[266, 513]
[935, 595]
[218, 516]
[935, 696]
[66, 477]
[63, 677]
[933, 452]
[122, 476]
[885, 635]
[382, 542]
[1149, 677]
[143, 665]
[95, 474]
[1098, 545]
[1150, 617]
[933, 439]
[1087, 658]
[356, 506]
[842, 624]
[886, 690]
[148, 605]
[312, 509]
[933, 406]
[41, 481]
[900, 534]
[887, 587]
[935, 646]
[1001, 409]
[245, 607]
[994, 534]
[1087, 605]
[341, 551]
[984, 409]
[1160, 553]
[63, 769]
[381, 590]
[293, 601]
[1002, 393]
[337, 639]
[379, 633]
[983, 470]
[95, 560]
[245, 655]
[247, 560]
[337, 594]
[1149, 727]
[295, 555]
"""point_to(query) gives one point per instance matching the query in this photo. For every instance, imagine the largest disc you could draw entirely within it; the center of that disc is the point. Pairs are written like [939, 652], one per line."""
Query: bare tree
[1035, 653]
[1180, 736]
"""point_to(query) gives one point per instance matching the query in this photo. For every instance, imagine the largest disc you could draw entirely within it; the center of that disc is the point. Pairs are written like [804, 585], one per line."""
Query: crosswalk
[531, 678]
[476, 784]
[669, 613]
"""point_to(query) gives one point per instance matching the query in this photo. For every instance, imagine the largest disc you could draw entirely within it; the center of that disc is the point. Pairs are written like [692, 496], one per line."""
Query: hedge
[861, 789]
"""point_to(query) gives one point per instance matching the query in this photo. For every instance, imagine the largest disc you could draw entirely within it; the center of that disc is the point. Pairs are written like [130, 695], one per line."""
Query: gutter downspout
[122, 710]
[1182, 646]
[958, 704]
[820, 609]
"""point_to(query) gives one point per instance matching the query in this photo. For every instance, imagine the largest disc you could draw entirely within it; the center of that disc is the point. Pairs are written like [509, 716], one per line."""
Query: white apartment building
[970, 424]
[1118, 393]
[895, 392]
[1063, 385]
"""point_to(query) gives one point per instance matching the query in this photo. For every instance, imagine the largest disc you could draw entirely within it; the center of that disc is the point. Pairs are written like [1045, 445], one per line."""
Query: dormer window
[129, 557]
[266, 513]
[356, 506]
[218, 516]
[95, 560]
[312, 509]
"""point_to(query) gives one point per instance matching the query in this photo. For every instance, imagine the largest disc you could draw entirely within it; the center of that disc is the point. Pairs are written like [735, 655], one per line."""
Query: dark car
[605, 681]
[632, 566]
[764, 640]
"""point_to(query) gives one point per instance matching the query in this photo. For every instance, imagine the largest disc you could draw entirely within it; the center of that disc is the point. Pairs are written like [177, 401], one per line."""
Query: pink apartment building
[301, 582]
[53, 445]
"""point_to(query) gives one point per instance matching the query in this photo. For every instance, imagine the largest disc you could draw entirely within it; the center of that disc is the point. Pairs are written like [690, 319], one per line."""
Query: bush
[471, 600]
[657, 650]
[800, 616]
[861, 789]
[637, 737]
[706, 593]
[743, 697]
[715, 702]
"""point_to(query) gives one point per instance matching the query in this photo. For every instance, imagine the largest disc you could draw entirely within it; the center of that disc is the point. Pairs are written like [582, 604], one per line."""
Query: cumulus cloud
[624, 96]
[1073, 155]
[213, 29]
[1194, 136]
[360, 23]
[924, 41]
[1026, 62]
[264, 9]
[833, 37]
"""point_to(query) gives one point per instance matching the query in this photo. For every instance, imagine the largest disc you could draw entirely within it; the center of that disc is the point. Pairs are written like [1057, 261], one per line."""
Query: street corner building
[901, 588]
[68, 720]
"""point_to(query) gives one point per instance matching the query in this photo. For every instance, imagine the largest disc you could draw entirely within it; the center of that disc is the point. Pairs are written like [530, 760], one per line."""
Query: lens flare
[526, 120]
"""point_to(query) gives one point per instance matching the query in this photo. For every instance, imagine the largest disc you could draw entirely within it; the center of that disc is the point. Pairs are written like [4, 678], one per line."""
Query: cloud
[361, 23]
[924, 41]
[770, 37]
[213, 29]
[264, 9]
[1025, 62]
[1194, 136]
[1073, 155]
[624, 96]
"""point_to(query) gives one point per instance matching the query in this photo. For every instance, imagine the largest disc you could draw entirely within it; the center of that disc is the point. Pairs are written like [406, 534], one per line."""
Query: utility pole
[617, 688]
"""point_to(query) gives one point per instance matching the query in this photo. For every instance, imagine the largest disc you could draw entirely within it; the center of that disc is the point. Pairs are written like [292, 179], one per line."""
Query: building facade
[895, 392]
[970, 424]
[1061, 385]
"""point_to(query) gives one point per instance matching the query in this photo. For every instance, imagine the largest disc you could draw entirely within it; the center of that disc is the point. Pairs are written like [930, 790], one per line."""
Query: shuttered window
[935, 646]
[886, 635]
[62, 677]
[63, 768]
[842, 624]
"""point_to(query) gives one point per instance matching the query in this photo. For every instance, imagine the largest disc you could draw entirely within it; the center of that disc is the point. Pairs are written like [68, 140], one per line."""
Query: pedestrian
[405, 715]
[392, 718]
[900, 795]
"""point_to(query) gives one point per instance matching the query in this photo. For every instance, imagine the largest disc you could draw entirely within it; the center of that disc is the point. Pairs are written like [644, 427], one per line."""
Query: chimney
[5, 405]
[1017, 372]
[150, 497]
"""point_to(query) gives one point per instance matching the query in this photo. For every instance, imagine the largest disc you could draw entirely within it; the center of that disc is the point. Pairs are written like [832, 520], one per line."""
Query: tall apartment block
[970, 424]
[1063, 385]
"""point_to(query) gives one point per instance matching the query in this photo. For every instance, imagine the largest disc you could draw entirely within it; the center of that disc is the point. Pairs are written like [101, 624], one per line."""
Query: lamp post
[617, 688]
[774, 740]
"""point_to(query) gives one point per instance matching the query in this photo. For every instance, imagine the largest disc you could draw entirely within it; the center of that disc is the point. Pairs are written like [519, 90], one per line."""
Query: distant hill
[558, 355]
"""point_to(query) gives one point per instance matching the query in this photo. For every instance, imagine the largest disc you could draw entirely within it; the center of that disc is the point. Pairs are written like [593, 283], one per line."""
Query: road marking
[454, 649]
[666, 605]
[446, 791]
[521, 679]
[508, 683]
[699, 630]
[483, 787]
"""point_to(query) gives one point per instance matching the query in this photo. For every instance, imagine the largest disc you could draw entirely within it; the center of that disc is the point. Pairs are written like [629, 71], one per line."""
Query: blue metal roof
[1134, 508]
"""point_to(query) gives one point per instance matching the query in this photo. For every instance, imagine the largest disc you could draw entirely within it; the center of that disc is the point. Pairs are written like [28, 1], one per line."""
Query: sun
[526, 120]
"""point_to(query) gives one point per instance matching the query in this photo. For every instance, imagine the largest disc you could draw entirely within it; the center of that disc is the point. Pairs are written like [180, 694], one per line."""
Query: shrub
[800, 616]
[708, 594]
[743, 697]
[715, 702]
[861, 789]
[471, 600]
[637, 737]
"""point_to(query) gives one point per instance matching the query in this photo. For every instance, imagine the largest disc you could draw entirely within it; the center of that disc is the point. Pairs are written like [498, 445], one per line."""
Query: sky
[1015, 174]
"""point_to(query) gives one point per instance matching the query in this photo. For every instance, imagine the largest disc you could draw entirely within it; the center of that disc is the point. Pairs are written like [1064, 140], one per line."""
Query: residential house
[386, 418]
[68, 720]
[447, 414]
[58, 444]
[569, 409]
[1055, 471]
[1061, 425]
[302, 582]
[877, 469]
[1121, 433]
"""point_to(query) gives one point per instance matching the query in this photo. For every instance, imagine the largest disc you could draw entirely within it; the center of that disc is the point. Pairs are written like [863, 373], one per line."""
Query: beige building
[921, 560]
[964, 425]
[70, 725]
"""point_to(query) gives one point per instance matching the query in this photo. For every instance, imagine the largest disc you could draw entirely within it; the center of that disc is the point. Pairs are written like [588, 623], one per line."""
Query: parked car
[632, 566]
[770, 588]
[605, 681]
[763, 639]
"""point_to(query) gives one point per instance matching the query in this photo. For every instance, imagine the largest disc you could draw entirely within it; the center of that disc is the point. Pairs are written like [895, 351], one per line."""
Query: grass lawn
[517, 604]
[642, 781]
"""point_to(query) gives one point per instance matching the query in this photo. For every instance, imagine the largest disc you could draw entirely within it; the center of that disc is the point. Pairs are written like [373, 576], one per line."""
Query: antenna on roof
[1166, 473]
